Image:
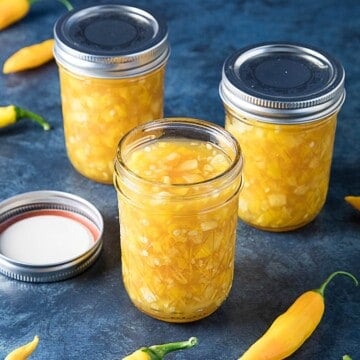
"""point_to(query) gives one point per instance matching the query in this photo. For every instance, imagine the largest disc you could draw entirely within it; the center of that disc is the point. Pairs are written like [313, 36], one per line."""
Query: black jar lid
[283, 83]
[111, 41]
[48, 236]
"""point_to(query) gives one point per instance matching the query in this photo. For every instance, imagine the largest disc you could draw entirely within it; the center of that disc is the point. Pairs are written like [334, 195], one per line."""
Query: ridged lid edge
[116, 65]
[53, 200]
[274, 110]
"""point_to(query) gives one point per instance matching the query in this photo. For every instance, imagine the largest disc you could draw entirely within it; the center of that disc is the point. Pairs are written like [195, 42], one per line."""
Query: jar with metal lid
[281, 103]
[111, 62]
[178, 182]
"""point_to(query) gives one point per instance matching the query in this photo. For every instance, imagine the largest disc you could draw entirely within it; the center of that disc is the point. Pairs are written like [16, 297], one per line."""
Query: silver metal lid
[110, 41]
[283, 83]
[48, 236]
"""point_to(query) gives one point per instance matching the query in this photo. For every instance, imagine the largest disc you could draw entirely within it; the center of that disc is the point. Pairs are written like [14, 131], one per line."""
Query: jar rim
[232, 170]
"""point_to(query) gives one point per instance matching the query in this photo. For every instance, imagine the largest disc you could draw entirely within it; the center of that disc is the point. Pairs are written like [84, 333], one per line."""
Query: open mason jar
[281, 103]
[177, 183]
[111, 62]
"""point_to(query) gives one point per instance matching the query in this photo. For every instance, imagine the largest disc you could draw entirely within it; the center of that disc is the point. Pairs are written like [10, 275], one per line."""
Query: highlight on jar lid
[111, 41]
[283, 83]
[48, 236]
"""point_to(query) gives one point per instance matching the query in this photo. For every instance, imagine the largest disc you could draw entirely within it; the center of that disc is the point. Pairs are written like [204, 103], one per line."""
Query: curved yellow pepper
[30, 57]
[290, 330]
[353, 201]
[12, 11]
[11, 114]
[138, 355]
[7, 116]
[23, 352]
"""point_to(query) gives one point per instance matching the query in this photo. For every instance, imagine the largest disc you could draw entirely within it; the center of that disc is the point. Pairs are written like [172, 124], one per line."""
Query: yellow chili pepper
[290, 330]
[30, 57]
[353, 201]
[157, 352]
[9, 115]
[23, 352]
[346, 357]
[12, 11]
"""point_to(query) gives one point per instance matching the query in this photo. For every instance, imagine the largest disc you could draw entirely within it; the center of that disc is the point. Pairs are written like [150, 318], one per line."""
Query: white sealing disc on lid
[48, 236]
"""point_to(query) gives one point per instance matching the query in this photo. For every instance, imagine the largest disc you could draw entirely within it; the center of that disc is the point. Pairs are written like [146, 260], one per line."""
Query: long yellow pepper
[23, 352]
[12, 11]
[29, 57]
[9, 115]
[354, 201]
[290, 330]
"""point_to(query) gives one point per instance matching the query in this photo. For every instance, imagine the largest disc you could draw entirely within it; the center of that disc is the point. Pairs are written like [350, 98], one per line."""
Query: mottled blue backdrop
[90, 316]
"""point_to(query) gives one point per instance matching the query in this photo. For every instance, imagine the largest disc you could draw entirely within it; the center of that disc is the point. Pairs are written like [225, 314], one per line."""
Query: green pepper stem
[157, 352]
[321, 289]
[23, 113]
[66, 3]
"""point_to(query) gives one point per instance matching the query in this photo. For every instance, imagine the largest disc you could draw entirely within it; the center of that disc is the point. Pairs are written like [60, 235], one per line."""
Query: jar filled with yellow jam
[111, 62]
[281, 103]
[178, 182]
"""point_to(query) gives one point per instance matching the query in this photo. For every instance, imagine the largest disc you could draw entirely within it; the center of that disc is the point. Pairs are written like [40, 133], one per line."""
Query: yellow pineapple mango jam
[98, 112]
[281, 103]
[287, 171]
[178, 182]
[111, 81]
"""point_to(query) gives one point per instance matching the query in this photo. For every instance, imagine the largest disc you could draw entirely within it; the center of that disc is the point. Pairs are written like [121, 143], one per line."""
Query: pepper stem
[66, 3]
[321, 289]
[24, 113]
[157, 352]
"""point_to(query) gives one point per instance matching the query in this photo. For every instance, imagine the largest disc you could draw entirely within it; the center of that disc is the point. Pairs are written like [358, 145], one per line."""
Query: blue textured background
[90, 316]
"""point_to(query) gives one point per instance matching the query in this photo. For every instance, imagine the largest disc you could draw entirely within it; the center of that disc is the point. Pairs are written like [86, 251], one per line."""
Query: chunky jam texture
[177, 245]
[286, 171]
[98, 112]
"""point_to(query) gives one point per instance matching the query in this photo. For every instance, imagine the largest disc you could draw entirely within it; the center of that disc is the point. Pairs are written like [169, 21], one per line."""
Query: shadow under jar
[178, 182]
[111, 62]
[281, 103]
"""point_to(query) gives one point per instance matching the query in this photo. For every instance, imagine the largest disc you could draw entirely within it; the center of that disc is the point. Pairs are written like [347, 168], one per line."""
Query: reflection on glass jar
[281, 103]
[178, 182]
[111, 81]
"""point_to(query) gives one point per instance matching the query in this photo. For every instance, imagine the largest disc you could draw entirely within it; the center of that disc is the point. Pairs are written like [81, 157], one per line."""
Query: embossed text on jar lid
[48, 236]
[283, 83]
[111, 41]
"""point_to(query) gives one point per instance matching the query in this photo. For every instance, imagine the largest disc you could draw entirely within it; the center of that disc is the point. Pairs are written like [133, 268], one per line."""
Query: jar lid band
[48, 236]
[283, 83]
[111, 41]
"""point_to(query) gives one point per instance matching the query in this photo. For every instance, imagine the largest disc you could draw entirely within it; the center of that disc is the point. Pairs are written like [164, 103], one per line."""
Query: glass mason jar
[281, 103]
[178, 182]
[111, 62]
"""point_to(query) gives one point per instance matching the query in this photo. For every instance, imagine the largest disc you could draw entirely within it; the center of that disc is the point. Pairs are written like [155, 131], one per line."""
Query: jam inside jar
[98, 112]
[178, 182]
[281, 103]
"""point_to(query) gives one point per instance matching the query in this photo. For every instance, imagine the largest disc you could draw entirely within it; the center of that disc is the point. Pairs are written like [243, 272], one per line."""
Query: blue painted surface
[90, 316]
